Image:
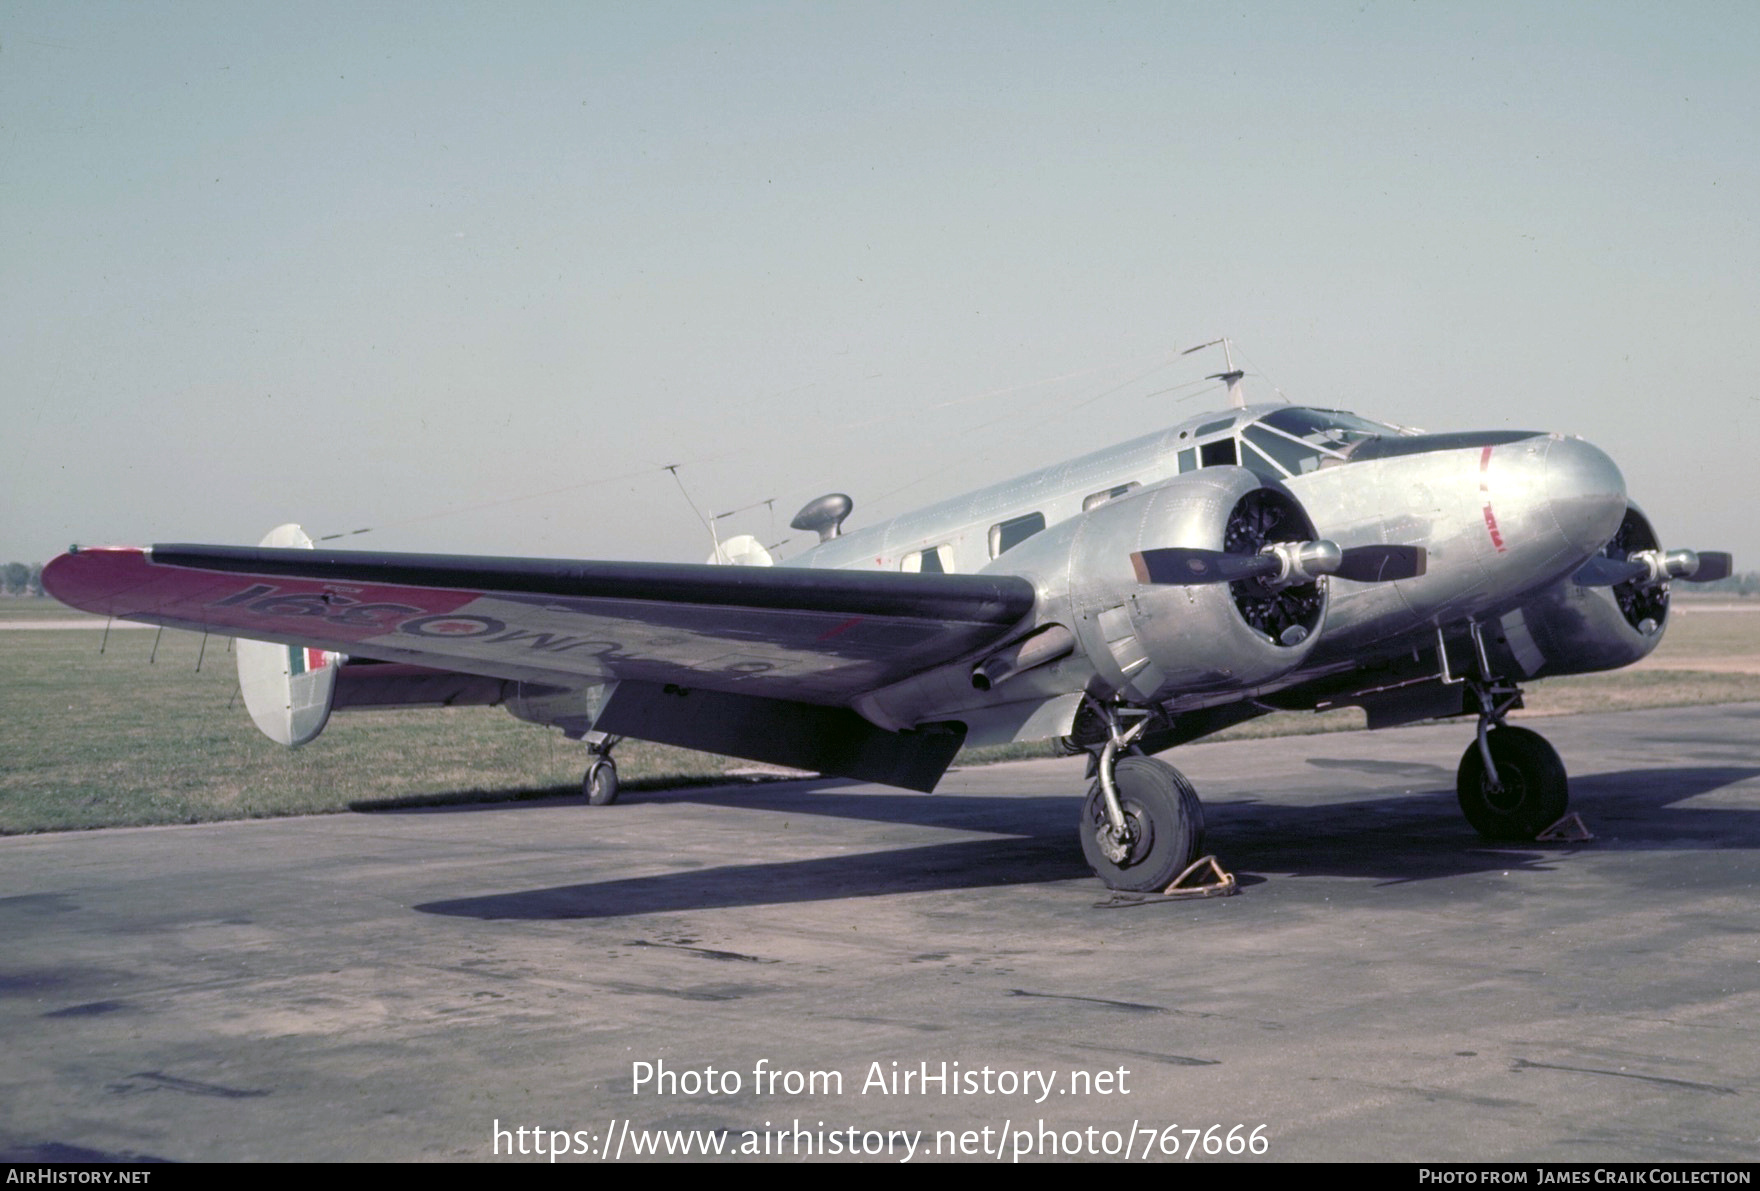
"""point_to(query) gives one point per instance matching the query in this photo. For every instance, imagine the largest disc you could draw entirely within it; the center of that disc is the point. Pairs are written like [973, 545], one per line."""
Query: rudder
[288, 689]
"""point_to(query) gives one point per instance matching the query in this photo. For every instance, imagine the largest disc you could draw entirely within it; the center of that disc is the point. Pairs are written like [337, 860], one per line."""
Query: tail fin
[741, 551]
[287, 689]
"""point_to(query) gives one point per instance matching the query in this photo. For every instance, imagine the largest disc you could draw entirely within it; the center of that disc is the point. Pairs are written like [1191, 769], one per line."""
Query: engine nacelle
[1147, 641]
[1577, 630]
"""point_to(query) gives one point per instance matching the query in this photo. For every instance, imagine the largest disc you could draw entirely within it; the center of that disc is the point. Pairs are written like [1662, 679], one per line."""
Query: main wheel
[1533, 793]
[1167, 825]
[600, 784]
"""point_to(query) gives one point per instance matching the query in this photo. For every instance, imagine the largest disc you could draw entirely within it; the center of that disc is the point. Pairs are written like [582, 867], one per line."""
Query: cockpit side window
[1293, 456]
[1260, 466]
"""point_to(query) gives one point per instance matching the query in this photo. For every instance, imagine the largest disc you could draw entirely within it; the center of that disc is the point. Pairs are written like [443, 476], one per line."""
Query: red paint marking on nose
[1491, 528]
[1485, 487]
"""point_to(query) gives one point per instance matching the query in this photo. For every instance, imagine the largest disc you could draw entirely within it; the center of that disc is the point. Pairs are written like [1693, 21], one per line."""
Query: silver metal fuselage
[1505, 518]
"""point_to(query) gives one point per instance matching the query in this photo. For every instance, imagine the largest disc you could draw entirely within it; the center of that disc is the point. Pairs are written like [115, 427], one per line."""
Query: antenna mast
[1237, 394]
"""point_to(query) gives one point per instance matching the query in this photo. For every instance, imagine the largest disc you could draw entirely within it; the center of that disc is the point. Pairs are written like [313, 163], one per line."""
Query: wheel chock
[1570, 829]
[1223, 883]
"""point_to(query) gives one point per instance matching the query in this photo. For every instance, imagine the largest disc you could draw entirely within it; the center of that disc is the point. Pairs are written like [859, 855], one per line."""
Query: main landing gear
[600, 782]
[1142, 824]
[1511, 782]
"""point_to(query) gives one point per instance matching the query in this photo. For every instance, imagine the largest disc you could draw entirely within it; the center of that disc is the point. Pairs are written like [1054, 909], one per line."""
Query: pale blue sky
[346, 267]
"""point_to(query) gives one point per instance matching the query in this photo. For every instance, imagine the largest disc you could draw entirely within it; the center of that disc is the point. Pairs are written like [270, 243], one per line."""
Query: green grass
[39, 608]
[91, 740]
[1693, 633]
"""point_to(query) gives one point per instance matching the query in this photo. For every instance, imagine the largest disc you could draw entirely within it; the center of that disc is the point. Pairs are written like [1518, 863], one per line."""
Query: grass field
[90, 739]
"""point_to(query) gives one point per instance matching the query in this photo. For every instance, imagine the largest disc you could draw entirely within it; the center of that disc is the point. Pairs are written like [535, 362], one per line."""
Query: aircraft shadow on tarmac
[1411, 836]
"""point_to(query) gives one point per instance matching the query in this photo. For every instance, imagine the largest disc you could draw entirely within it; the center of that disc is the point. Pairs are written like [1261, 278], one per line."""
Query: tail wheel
[1531, 792]
[1166, 823]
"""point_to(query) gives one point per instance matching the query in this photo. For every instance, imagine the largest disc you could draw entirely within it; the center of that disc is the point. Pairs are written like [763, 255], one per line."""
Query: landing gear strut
[1142, 824]
[600, 782]
[1511, 782]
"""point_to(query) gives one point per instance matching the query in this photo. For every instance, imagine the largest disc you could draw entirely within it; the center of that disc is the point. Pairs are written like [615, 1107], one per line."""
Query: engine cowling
[1148, 641]
[1578, 629]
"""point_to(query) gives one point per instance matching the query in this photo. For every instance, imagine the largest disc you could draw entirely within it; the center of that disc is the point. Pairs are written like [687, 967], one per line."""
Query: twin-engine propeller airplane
[1264, 558]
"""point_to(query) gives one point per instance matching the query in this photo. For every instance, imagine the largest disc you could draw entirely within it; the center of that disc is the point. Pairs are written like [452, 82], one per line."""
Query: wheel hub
[1505, 795]
[1136, 843]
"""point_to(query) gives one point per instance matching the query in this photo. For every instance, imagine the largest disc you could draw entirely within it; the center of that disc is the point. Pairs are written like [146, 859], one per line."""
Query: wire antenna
[683, 491]
[769, 504]
[1237, 395]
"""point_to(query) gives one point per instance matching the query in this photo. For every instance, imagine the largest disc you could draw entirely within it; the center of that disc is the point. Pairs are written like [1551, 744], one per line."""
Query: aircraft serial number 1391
[1259, 559]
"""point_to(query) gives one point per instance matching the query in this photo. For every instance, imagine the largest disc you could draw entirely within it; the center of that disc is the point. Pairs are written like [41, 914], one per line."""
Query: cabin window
[1100, 498]
[936, 560]
[1213, 427]
[1013, 532]
[1218, 453]
[1188, 460]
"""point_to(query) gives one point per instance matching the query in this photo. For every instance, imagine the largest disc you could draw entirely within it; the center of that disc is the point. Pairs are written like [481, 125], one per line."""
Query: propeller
[1636, 569]
[1650, 567]
[1279, 564]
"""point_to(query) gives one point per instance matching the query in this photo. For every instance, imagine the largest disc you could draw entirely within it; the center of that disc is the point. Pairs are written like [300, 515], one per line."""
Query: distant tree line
[23, 579]
[1746, 583]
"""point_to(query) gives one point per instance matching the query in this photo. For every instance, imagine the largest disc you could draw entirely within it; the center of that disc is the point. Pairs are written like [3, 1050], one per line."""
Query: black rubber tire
[1535, 791]
[600, 782]
[1169, 819]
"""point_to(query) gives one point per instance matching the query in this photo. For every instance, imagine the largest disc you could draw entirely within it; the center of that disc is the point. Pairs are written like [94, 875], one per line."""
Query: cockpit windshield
[1301, 439]
[1332, 429]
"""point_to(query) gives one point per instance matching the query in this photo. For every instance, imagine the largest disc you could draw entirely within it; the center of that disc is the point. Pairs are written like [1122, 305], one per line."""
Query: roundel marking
[450, 625]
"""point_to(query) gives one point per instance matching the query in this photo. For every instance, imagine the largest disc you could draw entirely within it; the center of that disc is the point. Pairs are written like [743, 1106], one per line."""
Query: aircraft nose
[1584, 492]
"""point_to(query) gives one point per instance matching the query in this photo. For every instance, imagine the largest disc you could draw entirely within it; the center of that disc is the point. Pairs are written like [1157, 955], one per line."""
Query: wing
[806, 635]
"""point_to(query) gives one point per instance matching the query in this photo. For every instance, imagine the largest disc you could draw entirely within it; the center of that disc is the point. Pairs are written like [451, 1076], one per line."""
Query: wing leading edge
[809, 635]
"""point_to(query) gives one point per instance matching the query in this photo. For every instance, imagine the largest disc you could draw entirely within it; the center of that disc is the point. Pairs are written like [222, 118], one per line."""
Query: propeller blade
[1183, 567]
[1713, 565]
[1601, 571]
[1382, 564]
